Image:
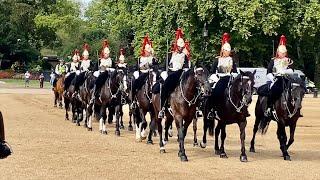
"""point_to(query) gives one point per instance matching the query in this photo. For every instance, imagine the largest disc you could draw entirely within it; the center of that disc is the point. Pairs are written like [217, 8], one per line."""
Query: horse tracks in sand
[45, 146]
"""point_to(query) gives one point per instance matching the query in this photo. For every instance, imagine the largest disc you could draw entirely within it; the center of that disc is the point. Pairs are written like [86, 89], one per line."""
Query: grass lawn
[19, 83]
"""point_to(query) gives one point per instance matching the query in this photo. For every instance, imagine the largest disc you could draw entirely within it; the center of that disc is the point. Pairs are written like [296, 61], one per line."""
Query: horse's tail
[264, 121]
[96, 111]
[264, 125]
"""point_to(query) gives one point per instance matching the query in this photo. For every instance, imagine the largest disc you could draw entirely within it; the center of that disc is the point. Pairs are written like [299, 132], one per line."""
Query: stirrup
[268, 112]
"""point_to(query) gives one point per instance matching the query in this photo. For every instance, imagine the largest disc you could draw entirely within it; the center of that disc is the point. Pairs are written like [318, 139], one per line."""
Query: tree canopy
[255, 27]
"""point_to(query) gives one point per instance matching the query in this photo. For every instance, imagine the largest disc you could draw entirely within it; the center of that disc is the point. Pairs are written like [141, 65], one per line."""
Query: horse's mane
[186, 74]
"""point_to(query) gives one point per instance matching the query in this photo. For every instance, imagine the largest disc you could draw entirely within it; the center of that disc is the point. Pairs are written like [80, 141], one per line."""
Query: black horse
[110, 96]
[183, 102]
[287, 112]
[143, 97]
[73, 101]
[85, 93]
[237, 98]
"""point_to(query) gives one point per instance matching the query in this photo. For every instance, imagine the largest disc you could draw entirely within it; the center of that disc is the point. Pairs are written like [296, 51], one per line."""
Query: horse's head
[201, 75]
[119, 75]
[245, 83]
[297, 92]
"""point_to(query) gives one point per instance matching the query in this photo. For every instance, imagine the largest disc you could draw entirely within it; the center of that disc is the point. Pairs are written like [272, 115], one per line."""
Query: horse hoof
[89, 129]
[54, 105]
[211, 133]
[162, 150]
[252, 149]
[223, 155]
[203, 145]
[121, 127]
[183, 158]
[217, 152]
[130, 128]
[143, 138]
[195, 144]
[287, 158]
[104, 132]
[78, 124]
[243, 158]
[117, 133]
[150, 142]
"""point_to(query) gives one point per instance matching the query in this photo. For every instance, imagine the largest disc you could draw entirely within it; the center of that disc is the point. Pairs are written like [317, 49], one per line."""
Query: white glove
[270, 77]
[136, 74]
[96, 73]
[164, 75]
[77, 72]
[213, 78]
[288, 71]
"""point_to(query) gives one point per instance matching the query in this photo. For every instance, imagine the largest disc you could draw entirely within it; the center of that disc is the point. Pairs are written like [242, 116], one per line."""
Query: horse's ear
[254, 72]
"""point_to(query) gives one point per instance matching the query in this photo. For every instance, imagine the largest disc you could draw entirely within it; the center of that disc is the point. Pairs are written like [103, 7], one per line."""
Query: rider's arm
[234, 67]
[214, 67]
[155, 64]
[57, 69]
[186, 62]
[270, 70]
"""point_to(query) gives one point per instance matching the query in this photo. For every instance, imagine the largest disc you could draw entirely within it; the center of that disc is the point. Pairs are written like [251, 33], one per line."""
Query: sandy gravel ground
[48, 147]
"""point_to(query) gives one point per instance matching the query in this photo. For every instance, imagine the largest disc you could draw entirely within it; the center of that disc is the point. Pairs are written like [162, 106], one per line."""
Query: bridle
[199, 89]
[244, 101]
[119, 88]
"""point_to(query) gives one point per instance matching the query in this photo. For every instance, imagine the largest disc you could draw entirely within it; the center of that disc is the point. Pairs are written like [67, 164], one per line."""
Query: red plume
[76, 52]
[179, 34]
[105, 44]
[187, 46]
[86, 47]
[121, 51]
[283, 40]
[146, 40]
[225, 38]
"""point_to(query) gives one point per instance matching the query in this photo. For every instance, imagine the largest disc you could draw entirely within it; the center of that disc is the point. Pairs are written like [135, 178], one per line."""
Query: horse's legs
[292, 130]
[168, 127]
[223, 154]
[180, 128]
[203, 144]
[130, 128]
[144, 124]
[103, 119]
[121, 117]
[161, 144]
[255, 130]
[152, 127]
[60, 100]
[117, 113]
[66, 104]
[89, 113]
[56, 96]
[282, 136]
[111, 111]
[242, 127]
[195, 140]
[216, 137]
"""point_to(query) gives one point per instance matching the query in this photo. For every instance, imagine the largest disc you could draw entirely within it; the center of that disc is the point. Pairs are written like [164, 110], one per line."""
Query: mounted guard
[178, 63]
[104, 66]
[146, 63]
[73, 70]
